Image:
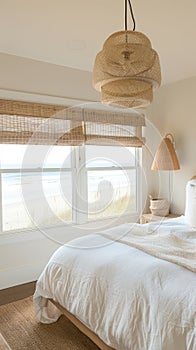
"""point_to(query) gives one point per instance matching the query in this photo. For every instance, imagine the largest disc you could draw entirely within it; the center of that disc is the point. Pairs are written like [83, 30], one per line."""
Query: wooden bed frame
[84, 329]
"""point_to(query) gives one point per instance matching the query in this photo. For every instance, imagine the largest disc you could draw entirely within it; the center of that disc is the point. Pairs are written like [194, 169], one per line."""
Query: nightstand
[146, 218]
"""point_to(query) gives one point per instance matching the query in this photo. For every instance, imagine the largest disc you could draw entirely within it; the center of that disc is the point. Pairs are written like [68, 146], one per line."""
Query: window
[111, 179]
[45, 186]
[32, 195]
[68, 165]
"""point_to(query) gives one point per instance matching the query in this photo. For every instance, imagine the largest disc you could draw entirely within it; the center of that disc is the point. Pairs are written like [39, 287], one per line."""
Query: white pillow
[190, 211]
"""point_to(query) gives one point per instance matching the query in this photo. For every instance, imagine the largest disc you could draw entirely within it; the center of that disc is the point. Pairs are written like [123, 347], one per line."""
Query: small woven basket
[159, 207]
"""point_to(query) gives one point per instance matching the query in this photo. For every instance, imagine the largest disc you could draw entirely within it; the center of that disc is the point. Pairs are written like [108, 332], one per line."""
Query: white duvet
[132, 300]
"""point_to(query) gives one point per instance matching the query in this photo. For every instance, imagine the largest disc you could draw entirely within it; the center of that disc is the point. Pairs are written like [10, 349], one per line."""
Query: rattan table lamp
[166, 159]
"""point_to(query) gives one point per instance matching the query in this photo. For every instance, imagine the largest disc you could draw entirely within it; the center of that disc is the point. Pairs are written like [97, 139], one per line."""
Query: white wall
[174, 110]
[23, 255]
[31, 76]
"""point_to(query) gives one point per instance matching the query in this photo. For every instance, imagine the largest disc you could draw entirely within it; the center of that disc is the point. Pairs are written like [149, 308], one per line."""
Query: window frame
[83, 181]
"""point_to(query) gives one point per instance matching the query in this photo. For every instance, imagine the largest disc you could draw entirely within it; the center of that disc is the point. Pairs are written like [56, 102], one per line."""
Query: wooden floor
[15, 293]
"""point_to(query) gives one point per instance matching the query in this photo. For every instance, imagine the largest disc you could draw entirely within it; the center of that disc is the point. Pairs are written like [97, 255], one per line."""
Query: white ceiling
[70, 33]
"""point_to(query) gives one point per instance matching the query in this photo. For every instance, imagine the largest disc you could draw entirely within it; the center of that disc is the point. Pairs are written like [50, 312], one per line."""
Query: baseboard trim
[15, 293]
[15, 276]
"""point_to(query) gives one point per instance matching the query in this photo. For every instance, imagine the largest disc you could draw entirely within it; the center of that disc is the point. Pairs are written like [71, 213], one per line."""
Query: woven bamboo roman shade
[113, 128]
[39, 124]
[43, 124]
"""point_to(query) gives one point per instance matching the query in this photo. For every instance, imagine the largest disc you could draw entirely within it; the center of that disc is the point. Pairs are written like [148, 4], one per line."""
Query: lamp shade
[127, 70]
[165, 157]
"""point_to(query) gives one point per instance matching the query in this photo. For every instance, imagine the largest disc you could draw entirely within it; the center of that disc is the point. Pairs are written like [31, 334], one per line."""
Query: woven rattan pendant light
[127, 70]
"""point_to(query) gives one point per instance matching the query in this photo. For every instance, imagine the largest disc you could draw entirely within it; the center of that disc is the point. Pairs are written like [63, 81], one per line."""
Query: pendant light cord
[125, 14]
[132, 15]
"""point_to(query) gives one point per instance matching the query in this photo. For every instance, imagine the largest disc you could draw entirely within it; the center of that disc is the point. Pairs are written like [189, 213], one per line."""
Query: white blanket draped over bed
[163, 245]
[132, 300]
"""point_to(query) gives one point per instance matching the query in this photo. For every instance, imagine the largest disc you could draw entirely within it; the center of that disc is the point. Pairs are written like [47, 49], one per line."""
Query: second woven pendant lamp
[127, 70]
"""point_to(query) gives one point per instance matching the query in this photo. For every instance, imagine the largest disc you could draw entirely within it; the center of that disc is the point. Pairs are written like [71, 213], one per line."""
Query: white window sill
[65, 231]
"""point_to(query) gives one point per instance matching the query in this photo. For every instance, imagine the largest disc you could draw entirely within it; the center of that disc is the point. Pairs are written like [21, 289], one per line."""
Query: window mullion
[74, 187]
[82, 192]
[79, 186]
[138, 180]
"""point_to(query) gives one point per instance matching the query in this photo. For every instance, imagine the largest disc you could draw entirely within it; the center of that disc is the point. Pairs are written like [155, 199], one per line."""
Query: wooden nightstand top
[145, 218]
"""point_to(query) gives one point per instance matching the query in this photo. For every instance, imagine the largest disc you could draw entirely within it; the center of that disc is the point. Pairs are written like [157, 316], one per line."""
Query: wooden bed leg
[84, 329]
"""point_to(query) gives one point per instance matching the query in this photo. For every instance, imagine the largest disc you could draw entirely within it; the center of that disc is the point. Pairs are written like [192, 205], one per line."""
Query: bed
[122, 293]
[132, 287]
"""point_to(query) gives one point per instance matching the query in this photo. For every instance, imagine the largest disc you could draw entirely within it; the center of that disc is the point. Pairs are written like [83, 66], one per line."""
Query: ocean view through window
[48, 194]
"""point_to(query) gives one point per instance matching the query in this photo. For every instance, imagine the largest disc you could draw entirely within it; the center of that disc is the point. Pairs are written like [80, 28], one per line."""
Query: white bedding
[132, 300]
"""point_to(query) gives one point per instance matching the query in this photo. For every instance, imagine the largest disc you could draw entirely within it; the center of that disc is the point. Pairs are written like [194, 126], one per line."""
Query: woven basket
[159, 207]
